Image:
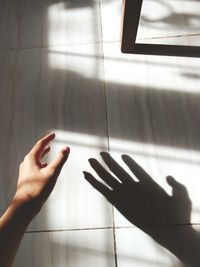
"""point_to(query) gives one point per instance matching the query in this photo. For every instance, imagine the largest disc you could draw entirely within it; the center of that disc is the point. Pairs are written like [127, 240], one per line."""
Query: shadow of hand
[146, 205]
[142, 202]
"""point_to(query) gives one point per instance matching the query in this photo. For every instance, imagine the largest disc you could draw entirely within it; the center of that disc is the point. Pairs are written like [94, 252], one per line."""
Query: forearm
[35, 183]
[186, 246]
[13, 224]
[183, 242]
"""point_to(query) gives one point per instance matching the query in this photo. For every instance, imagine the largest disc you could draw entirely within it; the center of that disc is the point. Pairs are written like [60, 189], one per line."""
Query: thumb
[178, 189]
[172, 182]
[60, 159]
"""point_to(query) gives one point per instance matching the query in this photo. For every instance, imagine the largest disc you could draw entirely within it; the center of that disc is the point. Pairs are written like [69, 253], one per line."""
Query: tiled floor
[61, 70]
[72, 248]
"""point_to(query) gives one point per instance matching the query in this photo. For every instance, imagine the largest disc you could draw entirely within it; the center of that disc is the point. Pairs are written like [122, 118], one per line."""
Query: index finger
[58, 162]
[112, 164]
[42, 143]
[136, 169]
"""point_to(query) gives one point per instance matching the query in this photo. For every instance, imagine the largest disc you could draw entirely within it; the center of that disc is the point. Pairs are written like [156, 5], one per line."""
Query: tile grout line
[114, 238]
[110, 228]
[97, 42]
[108, 132]
[54, 46]
[104, 82]
[170, 36]
[67, 230]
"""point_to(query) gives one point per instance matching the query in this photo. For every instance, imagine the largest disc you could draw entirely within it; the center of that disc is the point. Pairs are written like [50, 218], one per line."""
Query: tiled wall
[61, 70]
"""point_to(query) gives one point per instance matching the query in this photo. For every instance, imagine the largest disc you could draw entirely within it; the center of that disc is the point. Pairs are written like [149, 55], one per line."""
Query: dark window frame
[130, 24]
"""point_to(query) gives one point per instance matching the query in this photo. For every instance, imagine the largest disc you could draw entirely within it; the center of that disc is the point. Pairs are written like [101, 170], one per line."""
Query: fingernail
[67, 149]
[53, 134]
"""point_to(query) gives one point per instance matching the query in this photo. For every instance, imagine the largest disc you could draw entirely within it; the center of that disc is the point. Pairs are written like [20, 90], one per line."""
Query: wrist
[26, 208]
[15, 217]
[183, 242]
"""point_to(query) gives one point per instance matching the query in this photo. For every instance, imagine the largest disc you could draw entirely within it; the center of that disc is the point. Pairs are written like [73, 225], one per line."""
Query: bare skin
[35, 183]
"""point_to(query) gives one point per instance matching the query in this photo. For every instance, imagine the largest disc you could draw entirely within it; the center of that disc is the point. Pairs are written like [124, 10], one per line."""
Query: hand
[142, 202]
[36, 178]
[145, 204]
[36, 181]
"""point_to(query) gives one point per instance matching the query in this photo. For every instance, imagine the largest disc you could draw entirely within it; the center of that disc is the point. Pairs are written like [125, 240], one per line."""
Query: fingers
[103, 174]
[58, 162]
[171, 181]
[43, 165]
[178, 189]
[136, 169]
[97, 185]
[39, 147]
[115, 167]
[45, 151]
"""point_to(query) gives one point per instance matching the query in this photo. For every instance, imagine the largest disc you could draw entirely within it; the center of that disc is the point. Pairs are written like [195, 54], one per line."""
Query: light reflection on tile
[159, 20]
[74, 204]
[73, 58]
[168, 18]
[152, 106]
[111, 12]
[39, 99]
[61, 249]
[73, 23]
[135, 248]
[153, 113]
[150, 72]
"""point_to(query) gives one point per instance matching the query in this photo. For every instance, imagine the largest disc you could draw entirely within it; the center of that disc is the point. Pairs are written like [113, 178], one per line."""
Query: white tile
[168, 18]
[73, 23]
[159, 20]
[159, 73]
[74, 204]
[46, 91]
[111, 13]
[30, 24]
[21, 24]
[185, 40]
[61, 249]
[153, 113]
[136, 248]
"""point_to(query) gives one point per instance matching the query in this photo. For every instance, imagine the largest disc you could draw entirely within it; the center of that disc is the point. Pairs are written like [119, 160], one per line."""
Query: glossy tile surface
[72, 22]
[61, 249]
[153, 110]
[61, 70]
[136, 248]
[159, 21]
[28, 24]
[169, 18]
[43, 91]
